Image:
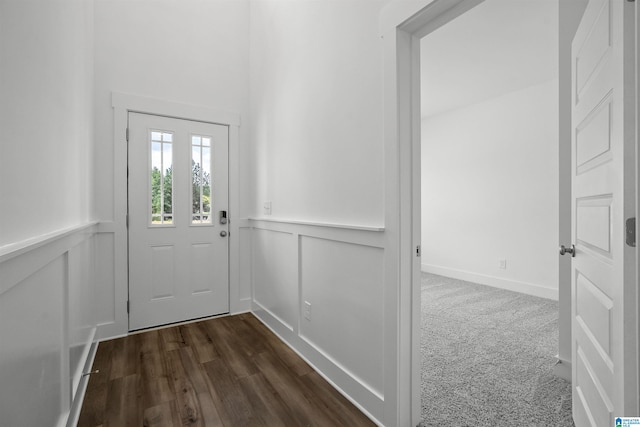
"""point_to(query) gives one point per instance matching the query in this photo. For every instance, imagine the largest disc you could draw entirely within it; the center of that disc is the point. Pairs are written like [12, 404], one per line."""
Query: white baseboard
[496, 282]
[562, 369]
[340, 379]
[241, 306]
[78, 399]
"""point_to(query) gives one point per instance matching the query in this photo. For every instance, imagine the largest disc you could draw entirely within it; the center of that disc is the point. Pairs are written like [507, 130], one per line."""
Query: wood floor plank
[247, 337]
[193, 370]
[202, 386]
[229, 349]
[172, 338]
[124, 353]
[126, 409]
[157, 387]
[224, 372]
[186, 399]
[163, 415]
[193, 399]
[92, 413]
[199, 340]
[283, 351]
[325, 395]
[229, 394]
[266, 402]
[283, 381]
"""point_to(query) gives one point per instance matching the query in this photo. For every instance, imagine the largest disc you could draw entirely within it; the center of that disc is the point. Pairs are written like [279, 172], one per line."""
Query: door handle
[571, 250]
[223, 233]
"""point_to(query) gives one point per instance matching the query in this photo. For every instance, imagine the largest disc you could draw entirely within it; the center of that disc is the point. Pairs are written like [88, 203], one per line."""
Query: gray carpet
[487, 357]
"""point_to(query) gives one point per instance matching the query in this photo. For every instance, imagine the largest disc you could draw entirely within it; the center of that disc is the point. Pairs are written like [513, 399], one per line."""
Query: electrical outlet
[502, 263]
[267, 207]
[307, 310]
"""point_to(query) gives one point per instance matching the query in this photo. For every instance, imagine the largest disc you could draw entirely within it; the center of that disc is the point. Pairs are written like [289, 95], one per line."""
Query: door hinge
[631, 232]
[127, 306]
[418, 251]
[127, 134]
[126, 220]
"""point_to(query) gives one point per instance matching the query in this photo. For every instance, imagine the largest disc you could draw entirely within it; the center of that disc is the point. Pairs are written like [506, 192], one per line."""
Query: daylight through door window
[201, 179]
[161, 144]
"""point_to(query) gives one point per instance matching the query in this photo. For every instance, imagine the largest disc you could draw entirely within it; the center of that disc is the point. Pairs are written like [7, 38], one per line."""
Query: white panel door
[603, 351]
[178, 244]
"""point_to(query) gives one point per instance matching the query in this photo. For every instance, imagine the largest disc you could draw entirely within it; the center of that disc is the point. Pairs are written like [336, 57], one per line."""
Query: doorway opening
[489, 214]
[611, 80]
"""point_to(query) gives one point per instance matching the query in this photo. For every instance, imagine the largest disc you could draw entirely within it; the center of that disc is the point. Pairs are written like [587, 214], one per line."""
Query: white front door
[603, 275]
[178, 241]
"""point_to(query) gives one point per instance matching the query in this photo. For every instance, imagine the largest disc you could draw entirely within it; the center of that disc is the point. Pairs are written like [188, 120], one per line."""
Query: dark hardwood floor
[229, 371]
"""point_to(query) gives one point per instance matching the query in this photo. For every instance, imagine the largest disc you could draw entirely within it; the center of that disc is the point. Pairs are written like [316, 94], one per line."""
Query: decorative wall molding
[47, 291]
[15, 249]
[318, 224]
[293, 262]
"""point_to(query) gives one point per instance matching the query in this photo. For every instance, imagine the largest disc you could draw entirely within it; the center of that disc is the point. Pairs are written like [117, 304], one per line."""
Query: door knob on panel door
[571, 250]
[223, 233]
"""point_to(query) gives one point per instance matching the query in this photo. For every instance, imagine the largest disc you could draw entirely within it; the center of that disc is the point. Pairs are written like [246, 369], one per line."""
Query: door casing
[122, 104]
[402, 25]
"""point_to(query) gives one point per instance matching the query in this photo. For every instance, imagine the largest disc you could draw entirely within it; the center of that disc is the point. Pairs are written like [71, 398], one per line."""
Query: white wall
[316, 110]
[47, 238]
[45, 117]
[490, 191]
[317, 138]
[188, 52]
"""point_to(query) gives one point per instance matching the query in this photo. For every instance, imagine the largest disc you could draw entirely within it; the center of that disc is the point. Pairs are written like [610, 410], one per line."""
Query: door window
[161, 178]
[201, 180]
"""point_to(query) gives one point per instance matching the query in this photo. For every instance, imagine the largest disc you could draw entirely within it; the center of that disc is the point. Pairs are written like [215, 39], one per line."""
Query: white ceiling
[495, 48]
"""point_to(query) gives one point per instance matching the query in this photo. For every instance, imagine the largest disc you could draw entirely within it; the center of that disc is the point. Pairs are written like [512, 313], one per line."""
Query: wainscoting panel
[339, 270]
[274, 268]
[343, 282]
[244, 286]
[31, 332]
[47, 326]
[105, 275]
[81, 315]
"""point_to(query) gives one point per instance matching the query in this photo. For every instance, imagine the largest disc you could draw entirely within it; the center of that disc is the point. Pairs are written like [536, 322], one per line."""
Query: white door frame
[402, 25]
[123, 104]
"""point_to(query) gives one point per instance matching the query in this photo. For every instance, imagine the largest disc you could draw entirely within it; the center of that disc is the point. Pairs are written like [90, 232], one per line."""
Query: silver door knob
[571, 250]
[223, 233]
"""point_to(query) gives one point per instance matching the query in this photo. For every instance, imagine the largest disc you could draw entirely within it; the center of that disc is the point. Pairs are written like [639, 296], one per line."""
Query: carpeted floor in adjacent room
[488, 356]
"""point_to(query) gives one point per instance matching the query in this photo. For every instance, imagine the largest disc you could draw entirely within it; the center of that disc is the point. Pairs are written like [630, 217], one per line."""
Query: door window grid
[161, 147]
[201, 180]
